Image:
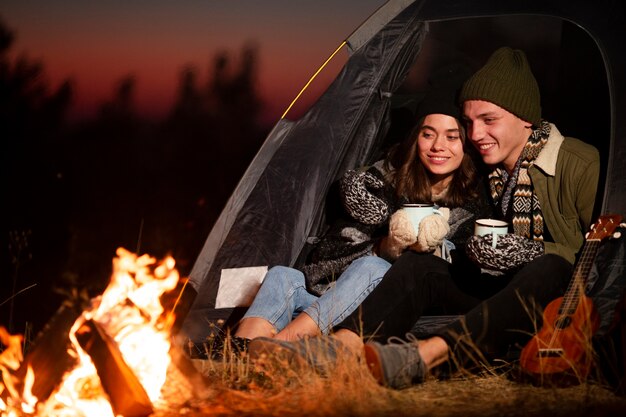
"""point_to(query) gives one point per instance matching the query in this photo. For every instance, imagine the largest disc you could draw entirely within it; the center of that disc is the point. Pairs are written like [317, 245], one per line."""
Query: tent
[280, 203]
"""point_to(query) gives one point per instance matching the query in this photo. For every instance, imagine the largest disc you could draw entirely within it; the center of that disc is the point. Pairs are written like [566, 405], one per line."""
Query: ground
[237, 388]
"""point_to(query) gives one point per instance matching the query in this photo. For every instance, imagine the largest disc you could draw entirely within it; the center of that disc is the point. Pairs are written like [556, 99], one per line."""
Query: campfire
[106, 356]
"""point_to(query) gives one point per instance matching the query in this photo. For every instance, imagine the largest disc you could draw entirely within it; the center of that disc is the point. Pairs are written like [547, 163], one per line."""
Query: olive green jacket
[565, 178]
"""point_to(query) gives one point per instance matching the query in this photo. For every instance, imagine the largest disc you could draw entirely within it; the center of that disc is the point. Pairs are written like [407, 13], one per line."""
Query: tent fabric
[377, 22]
[606, 284]
[279, 202]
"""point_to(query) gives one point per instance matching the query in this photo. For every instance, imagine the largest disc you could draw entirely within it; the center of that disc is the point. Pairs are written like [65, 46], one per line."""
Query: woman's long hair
[412, 180]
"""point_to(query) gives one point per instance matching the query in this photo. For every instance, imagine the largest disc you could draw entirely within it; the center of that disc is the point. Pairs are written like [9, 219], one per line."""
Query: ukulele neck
[581, 272]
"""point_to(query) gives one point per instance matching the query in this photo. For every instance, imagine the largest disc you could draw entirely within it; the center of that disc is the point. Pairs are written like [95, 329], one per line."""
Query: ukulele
[562, 352]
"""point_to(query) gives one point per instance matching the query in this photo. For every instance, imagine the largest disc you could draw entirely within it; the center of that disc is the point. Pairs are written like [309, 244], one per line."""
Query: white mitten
[433, 229]
[401, 233]
[445, 212]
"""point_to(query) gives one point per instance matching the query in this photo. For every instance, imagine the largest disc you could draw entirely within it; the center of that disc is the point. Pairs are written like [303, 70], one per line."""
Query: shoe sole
[372, 359]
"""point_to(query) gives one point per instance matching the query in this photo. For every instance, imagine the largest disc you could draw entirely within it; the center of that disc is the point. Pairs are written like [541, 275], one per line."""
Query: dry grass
[276, 388]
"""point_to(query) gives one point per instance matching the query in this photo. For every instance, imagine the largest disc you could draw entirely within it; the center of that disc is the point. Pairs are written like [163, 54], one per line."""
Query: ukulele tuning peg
[617, 235]
[623, 225]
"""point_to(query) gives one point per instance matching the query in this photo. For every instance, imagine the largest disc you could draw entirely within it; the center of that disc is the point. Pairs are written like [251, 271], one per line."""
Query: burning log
[126, 394]
[122, 338]
[50, 356]
[199, 383]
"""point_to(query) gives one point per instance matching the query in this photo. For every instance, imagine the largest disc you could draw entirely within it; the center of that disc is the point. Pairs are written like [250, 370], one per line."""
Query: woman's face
[440, 147]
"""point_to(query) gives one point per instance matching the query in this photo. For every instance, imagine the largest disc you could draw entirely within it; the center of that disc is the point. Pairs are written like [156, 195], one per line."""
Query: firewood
[197, 381]
[126, 394]
[48, 356]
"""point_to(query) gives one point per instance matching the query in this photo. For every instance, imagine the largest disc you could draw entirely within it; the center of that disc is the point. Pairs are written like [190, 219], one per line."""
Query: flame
[29, 401]
[136, 327]
[80, 393]
[130, 312]
[10, 360]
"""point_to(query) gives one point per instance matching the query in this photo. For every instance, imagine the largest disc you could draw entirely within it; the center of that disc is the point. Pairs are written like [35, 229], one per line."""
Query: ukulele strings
[576, 286]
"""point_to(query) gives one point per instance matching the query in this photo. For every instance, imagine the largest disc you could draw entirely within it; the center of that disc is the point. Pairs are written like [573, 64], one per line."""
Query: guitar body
[561, 352]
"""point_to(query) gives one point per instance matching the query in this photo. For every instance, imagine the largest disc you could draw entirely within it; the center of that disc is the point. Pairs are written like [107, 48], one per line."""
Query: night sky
[98, 42]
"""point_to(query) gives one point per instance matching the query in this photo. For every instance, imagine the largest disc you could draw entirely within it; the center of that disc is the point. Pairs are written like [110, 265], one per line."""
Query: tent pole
[312, 78]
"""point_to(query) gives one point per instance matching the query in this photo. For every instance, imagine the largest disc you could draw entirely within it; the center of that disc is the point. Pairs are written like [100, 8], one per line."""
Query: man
[542, 183]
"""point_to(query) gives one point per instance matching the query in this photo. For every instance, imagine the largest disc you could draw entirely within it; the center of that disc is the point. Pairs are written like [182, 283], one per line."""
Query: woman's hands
[401, 236]
[432, 230]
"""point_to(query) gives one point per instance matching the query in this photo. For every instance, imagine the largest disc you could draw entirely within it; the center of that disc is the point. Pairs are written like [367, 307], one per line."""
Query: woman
[430, 166]
[548, 204]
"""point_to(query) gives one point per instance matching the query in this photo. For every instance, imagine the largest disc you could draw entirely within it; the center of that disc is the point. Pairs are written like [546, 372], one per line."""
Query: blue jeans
[283, 294]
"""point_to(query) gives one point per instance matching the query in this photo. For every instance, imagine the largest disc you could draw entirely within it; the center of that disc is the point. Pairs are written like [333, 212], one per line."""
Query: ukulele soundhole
[563, 322]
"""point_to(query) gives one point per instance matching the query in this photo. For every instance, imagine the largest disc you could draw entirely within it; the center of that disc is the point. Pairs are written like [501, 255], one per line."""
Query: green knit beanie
[506, 80]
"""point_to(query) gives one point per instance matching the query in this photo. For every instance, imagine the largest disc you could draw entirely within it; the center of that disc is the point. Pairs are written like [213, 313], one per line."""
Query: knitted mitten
[511, 251]
[401, 234]
[432, 230]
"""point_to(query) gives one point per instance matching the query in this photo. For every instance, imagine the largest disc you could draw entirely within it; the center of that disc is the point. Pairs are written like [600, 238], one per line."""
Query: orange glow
[10, 360]
[98, 43]
[130, 312]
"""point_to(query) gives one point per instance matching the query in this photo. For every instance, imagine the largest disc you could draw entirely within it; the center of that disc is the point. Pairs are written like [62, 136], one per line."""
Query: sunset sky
[97, 43]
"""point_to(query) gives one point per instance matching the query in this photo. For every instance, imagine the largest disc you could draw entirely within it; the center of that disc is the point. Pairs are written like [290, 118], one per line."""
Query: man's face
[498, 135]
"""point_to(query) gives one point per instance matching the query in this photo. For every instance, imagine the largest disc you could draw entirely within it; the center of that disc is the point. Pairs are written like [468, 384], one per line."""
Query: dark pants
[497, 310]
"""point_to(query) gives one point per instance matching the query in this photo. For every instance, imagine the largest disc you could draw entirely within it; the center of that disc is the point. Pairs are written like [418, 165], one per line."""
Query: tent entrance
[281, 202]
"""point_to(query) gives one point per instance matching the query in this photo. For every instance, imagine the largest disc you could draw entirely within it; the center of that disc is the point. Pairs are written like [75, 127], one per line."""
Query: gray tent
[279, 203]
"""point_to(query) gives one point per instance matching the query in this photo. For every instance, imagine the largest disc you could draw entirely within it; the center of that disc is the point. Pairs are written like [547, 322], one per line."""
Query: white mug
[417, 212]
[491, 227]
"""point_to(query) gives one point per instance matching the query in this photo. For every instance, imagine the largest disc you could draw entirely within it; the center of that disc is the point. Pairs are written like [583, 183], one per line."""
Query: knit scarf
[525, 213]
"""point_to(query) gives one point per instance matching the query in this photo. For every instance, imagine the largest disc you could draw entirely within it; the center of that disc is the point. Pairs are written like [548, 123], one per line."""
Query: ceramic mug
[416, 212]
[491, 227]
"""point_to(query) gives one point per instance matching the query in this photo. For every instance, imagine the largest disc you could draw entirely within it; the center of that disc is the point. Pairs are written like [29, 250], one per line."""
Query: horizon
[95, 46]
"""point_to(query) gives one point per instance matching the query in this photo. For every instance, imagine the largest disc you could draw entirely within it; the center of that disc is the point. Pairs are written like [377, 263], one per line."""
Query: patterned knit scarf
[525, 213]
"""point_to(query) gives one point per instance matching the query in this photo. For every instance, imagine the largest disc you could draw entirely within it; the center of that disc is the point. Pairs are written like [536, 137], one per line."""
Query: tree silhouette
[32, 121]
[211, 136]
[121, 109]
[78, 191]
[159, 186]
